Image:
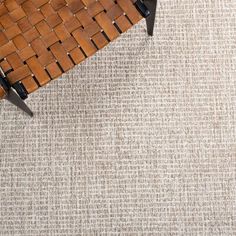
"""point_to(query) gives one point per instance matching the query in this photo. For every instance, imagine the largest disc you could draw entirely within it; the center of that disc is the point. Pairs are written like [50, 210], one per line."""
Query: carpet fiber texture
[140, 139]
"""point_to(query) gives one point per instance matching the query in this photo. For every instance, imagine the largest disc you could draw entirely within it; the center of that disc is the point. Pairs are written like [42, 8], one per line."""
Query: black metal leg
[150, 20]
[15, 99]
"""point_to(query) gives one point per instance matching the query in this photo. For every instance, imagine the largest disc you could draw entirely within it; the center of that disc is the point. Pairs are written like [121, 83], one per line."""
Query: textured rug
[140, 139]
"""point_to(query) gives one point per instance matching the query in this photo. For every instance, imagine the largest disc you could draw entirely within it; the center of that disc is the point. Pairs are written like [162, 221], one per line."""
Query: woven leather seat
[42, 39]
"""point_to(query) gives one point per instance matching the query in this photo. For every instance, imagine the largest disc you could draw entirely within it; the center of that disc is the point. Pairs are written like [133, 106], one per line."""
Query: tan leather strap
[41, 39]
[3, 93]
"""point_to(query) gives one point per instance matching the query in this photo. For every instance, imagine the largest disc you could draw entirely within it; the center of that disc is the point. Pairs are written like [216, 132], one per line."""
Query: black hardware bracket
[15, 93]
[141, 7]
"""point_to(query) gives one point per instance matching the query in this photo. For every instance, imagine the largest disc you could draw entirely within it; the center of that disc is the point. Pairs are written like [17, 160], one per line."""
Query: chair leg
[15, 99]
[150, 20]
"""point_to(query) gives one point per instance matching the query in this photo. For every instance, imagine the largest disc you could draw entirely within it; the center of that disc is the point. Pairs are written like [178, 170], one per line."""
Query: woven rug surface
[139, 139]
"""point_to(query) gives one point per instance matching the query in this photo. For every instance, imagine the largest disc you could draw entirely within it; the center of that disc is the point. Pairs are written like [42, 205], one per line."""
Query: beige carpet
[140, 139]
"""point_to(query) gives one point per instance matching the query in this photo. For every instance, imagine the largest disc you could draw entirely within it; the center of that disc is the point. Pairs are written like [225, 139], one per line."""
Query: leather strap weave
[41, 39]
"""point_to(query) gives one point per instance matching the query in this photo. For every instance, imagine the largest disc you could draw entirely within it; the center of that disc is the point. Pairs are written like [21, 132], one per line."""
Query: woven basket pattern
[42, 39]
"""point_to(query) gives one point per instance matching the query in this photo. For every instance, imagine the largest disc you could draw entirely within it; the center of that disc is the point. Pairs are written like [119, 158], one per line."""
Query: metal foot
[15, 99]
[150, 20]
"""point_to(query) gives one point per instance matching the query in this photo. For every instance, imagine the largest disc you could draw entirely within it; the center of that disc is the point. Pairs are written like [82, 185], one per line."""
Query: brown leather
[41, 39]
[2, 92]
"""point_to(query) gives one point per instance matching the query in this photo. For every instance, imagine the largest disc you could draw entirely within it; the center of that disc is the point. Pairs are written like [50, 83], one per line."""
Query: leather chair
[42, 39]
